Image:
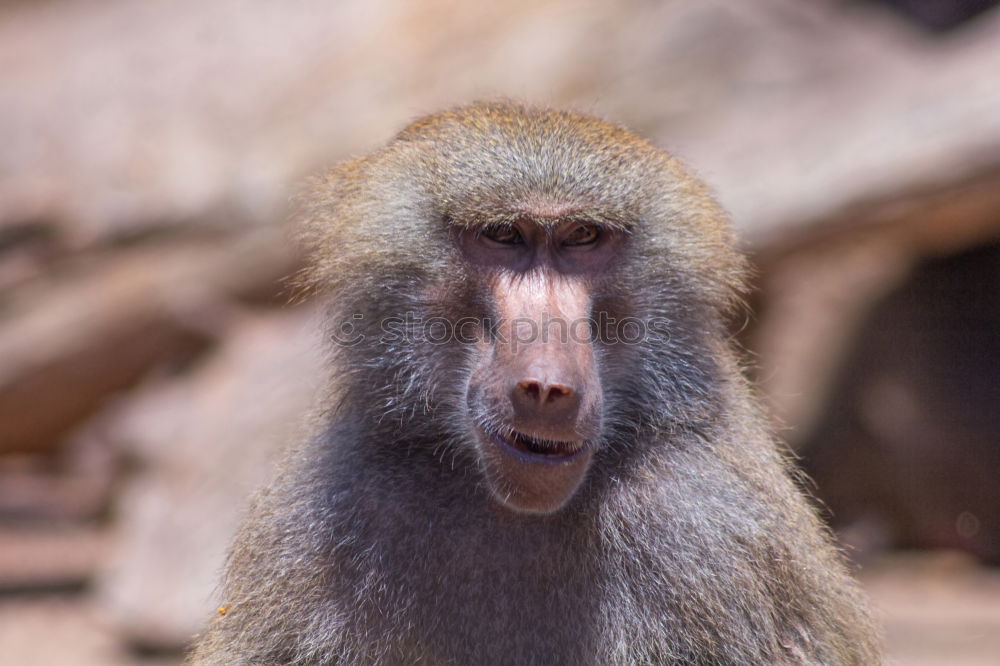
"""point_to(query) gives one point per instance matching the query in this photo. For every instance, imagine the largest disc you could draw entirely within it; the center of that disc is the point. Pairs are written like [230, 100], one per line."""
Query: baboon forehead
[503, 162]
[511, 123]
[497, 159]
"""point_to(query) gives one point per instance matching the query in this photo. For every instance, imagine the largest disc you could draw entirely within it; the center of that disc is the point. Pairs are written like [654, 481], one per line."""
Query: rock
[70, 342]
[38, 559]
[200, 445]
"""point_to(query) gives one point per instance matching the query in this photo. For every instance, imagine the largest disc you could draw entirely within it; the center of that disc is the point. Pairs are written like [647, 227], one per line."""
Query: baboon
[539, 446]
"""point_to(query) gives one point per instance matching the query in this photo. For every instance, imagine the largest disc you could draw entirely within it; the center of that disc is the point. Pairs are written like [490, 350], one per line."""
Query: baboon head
[521, 291]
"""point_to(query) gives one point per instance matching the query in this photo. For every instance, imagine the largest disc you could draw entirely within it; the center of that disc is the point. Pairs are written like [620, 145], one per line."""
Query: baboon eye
[504, 234]
[583, 234]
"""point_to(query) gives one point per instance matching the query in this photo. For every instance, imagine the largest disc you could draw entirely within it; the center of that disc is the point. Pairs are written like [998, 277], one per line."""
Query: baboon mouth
[533, 474]
[536, 447]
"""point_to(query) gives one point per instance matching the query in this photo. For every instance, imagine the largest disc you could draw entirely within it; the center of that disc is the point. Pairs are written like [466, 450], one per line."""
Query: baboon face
[546, 229]
[534, 394]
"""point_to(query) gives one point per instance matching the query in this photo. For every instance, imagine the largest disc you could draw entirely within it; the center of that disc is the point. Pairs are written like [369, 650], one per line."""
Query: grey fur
[378, 544]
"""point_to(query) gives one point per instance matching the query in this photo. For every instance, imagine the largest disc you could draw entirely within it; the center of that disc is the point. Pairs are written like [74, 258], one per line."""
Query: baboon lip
[537, 449]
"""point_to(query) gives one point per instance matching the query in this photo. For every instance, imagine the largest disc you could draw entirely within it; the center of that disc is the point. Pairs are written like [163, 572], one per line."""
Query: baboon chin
[539, 447]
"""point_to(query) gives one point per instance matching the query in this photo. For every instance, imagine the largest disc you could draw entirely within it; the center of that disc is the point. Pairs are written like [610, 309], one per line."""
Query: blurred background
[152, 362]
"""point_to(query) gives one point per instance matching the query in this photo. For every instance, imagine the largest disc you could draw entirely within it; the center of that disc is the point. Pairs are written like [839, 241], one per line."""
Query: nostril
[531, 389]
[557, 391]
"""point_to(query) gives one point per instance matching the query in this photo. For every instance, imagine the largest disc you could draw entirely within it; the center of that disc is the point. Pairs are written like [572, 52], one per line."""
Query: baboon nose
[534, 399]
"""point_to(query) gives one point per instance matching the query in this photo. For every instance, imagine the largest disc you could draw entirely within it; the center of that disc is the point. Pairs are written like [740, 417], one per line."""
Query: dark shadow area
[939, 15]
[908, 451]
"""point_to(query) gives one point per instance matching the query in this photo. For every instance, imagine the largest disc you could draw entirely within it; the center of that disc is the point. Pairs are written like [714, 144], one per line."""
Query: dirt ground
[63, 630]
[936, 608]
